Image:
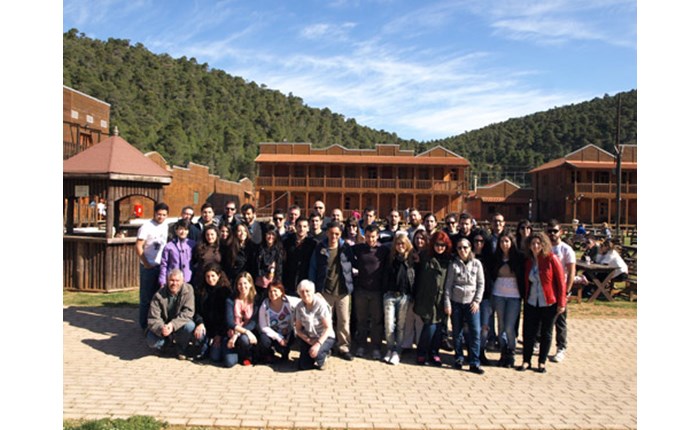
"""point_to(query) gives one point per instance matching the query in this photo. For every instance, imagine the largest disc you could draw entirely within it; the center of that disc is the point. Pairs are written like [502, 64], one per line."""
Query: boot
[510, 358]
[503, 357]
[483, 359]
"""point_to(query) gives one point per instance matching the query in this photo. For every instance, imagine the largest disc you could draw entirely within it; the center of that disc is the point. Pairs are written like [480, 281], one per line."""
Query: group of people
[232, 290]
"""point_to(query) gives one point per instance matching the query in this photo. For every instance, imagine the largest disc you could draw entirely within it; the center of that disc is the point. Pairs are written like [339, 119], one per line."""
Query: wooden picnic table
[603, 287]
[629, 251]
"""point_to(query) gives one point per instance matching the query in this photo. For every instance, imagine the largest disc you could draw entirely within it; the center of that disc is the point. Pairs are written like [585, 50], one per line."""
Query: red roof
[583, 165]
[361, 159]
[113, 156]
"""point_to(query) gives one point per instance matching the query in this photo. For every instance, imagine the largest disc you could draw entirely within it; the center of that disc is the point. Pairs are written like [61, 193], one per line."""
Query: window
[299, 172]
[195, 198]
[454, 174]
[348, 203]
[422, 204]
[371, 172]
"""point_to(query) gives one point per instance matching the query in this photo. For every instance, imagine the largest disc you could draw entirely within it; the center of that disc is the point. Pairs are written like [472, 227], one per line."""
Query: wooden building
[85, 121]
[504, 197]
[582, 185]
[385, 177]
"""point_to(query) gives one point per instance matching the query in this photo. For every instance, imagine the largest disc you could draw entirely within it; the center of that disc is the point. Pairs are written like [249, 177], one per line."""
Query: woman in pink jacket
[544, 298]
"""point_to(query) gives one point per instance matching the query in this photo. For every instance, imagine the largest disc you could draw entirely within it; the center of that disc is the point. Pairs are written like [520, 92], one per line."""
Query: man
[292, 215]
[331, 271]
[186, 214]
[415, 221]
[451, 226]
[170, 316]
[496, 229]
[392, 227]
[336, 215]
[368, 218]
[370, 261]
[298, 248]
[206, 217]
[229, 215]
[319, 207]
[249, 219]
[464, 229]
[278, 219]
[566, 255]
[315, 221]
[150, 242]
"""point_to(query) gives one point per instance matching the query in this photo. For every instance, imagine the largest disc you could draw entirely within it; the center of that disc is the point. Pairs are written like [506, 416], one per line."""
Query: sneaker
[347, 356]
[476, 369]
[181, 357]
[436, 361]
[395, 358]
[323, 366]
[387, 357]
[376, 354]
[421, 361]
[247, 362]
[536, 348]
[458, 364]
[560, 355]
[359, 352]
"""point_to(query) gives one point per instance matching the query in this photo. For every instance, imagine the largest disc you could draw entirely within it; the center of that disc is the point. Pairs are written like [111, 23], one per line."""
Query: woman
[314, 327]
[483, 254]
[524, 230]
[609, 255]
[206, 252]
[210, 312]
[241, 321]
[270, 256]
[430, 223]
[413, 323]
[508, 290]
[429, 297]
[242, 253]
[399, 278]
[544, 298]
[276, 322]
[463, 293]
[351, 233]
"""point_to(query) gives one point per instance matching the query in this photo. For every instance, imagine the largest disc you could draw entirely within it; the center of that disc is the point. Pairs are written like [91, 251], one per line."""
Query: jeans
[367, 306]
[487, 322]
[181, 337]
[340, 306]
[395, 310]
[268, 346]
[507, 312]
[306, 361]
[242, 350]
[538, 319]
[460, 314]
[562, 330]
[430, 340]
[149, 285]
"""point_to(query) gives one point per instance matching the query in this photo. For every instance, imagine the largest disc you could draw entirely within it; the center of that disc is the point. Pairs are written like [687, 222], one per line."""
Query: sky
[422, 69]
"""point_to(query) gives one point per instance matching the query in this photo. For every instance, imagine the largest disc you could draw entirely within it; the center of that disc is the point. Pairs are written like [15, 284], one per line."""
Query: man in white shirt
[150, 242]
[566, 255]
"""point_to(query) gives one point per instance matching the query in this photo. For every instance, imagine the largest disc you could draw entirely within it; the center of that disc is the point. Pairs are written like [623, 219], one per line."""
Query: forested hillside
[190, 112]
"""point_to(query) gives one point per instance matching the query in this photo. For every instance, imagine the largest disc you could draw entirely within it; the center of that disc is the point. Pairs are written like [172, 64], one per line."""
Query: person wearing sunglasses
[463, 293]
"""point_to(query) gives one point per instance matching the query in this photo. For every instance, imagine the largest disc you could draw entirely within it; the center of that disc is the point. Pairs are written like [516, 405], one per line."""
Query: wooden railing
[359, 183]
[604, 188]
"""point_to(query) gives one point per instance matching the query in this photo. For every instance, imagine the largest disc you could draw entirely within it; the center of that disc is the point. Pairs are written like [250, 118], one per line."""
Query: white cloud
[324, 30]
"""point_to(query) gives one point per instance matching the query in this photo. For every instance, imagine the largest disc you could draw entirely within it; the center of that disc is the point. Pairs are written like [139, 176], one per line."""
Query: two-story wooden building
[503, 197]
[85, 121]
[384, 177]
[582, 185]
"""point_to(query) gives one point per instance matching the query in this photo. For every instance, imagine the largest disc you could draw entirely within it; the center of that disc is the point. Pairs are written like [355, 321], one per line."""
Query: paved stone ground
[109, 372]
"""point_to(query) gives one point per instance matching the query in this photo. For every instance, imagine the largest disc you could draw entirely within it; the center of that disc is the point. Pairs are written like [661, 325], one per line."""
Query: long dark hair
[203, 244]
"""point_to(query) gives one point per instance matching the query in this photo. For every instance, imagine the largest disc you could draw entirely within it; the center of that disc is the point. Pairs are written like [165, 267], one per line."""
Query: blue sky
[424, 70]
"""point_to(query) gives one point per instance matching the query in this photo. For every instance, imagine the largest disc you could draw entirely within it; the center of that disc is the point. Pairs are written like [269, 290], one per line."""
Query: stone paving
[109, 372]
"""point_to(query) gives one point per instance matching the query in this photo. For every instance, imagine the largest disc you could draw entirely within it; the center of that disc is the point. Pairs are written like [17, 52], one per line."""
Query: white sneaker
[536, 348]
[395, 358]
[560, 355]
[376, 354]
[387, 357]
[359, 352]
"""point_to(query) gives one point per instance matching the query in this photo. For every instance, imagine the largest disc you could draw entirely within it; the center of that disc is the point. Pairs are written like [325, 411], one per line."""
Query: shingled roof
[115, 158]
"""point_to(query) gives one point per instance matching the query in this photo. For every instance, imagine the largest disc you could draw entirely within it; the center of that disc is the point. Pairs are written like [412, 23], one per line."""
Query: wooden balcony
[604, 188]
[359, 184]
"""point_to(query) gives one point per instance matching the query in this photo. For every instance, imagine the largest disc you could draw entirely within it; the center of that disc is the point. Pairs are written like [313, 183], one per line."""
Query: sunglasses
[230, 209]
[279, 219]
[318, 207]
[441, 245]
[553, 231]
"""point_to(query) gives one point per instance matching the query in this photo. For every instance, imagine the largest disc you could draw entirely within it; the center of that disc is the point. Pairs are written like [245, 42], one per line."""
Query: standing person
[177, 254]
[298, 249]
[229, 215]
[210, 312]
[270, 260]
[413, 323]
[243, 253]
[351, 233]
[566, 256]
[524, 230]
[206, 218]
[496, 229]
[314, 327]
[207, 251]
[387, 235]
[370, 262]
[278, 219]
[150, 243]
[414, 222]
[292, 215]
[276, 323]
[331, 270]
[451, 226]
[544, 298]
[336, 215]
[481, 251]
[508, 290]
[397, 288]
[430, 223]
[250, 221]
[186, 214]
[319, 207]
[429, 297]
[170, 315]
[315, 226]
[463, 291]
[241, 322]
[368, 218]
[465, 225]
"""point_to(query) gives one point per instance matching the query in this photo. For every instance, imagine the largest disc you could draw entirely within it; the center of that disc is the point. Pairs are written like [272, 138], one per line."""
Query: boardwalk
[108, 372]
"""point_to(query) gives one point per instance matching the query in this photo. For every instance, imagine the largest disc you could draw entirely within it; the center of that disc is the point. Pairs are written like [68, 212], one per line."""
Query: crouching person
[314, 327]
[170, 315]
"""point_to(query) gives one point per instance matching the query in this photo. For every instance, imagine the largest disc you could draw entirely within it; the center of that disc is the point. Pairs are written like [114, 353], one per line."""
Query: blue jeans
[149, 285]
[430, 340]
[306, 361]
[181, 337]
[460, 314]
[395, 309]
[507, 311]
[487, 322]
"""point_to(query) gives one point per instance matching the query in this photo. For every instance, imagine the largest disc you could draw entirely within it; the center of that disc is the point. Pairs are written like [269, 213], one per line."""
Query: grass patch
[619, 308]
[132, 423]
[118, 299]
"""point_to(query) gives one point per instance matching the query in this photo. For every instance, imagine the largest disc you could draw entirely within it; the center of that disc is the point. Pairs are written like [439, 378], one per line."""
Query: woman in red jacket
[544, 298]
